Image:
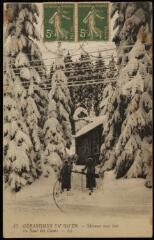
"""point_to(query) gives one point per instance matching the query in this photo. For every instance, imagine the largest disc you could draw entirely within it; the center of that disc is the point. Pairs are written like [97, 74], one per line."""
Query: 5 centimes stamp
[93, 21]
[59, 22]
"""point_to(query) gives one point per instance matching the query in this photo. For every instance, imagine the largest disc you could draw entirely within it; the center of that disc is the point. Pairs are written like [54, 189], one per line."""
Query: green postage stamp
[76, 21]
[59, 22]
[93, 21]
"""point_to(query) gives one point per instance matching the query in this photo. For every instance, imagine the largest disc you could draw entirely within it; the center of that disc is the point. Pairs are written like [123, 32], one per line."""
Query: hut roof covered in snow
[78, 112]
[96, 121]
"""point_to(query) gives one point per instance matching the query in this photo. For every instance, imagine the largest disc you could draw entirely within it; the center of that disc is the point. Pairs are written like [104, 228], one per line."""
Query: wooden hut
[88, 140]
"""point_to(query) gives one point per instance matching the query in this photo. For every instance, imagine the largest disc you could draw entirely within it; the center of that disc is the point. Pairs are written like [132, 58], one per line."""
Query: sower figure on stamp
[57, 19]
[90, 19]
[65, 176]
[90, 175]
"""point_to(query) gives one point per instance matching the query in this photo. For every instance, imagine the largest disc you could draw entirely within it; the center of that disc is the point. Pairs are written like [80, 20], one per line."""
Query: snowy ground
[116, 207]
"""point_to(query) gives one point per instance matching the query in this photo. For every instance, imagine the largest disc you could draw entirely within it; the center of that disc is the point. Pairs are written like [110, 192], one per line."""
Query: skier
[65, 176]
[90, 175]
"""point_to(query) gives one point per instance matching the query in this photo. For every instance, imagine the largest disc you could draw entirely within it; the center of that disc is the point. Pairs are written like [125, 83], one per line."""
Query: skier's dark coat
[90, 175]
[65, 176]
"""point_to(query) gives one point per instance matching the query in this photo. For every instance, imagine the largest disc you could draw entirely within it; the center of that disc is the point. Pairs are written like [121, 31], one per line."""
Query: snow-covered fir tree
[57, 128]
[100, 74]
[83, 73]
[20, 38]
[109, 87]
[100, 66]
[27, 70]
[19, 166]
[112, 69]
[69, 67]
[70, 74]
[127, 135]
[106, 98]
[51, 71]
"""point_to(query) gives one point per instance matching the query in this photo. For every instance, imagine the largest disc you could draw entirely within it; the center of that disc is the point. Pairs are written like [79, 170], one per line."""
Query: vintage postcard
[77, 111]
